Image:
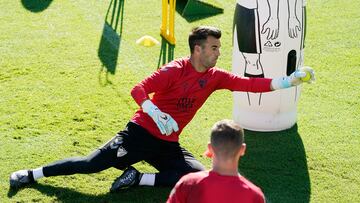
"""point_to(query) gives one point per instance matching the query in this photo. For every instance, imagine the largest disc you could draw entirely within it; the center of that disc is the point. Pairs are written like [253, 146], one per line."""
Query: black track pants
[130, 146]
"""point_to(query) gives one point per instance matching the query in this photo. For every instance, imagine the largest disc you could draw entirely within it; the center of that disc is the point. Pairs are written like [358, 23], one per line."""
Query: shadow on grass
[110, 39]
[276, 162]
[36, 5]
[192, 10]
[62, 194]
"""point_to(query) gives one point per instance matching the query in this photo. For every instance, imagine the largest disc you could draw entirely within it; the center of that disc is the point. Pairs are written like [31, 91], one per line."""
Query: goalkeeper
[180, 88]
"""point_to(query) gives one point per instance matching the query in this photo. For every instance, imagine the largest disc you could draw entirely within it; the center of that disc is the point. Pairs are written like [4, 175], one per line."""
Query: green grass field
[57, 100]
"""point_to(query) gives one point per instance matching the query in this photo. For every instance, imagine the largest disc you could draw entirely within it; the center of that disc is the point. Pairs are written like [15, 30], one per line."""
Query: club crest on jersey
[202, 83]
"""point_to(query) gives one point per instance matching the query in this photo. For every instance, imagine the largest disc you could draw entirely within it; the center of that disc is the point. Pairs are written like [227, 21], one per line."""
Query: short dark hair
[226, 138]
[198, 35]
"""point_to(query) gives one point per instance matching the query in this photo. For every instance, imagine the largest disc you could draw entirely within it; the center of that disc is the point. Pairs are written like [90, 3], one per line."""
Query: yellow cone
[147, 41]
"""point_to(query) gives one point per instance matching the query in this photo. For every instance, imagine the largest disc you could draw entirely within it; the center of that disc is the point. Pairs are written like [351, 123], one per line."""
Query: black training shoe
[130, 177]
[21, 178]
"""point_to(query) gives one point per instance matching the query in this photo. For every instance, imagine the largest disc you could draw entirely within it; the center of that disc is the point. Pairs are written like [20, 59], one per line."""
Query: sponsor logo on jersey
[185, 103]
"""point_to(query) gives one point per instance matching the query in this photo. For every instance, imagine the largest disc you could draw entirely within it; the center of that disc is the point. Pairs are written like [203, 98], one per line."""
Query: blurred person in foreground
[222, 183]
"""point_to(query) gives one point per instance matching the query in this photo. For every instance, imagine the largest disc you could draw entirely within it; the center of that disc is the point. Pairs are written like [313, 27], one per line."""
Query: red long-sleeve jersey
[180, 91]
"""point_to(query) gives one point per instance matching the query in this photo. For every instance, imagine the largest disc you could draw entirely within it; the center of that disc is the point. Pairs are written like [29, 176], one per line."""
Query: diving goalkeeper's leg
[100, 159]
[95, 162]
[172, 162]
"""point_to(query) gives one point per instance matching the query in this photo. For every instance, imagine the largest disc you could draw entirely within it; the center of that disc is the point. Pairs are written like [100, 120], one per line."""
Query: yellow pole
[167, 28]
[164, 17]
[172, 21]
